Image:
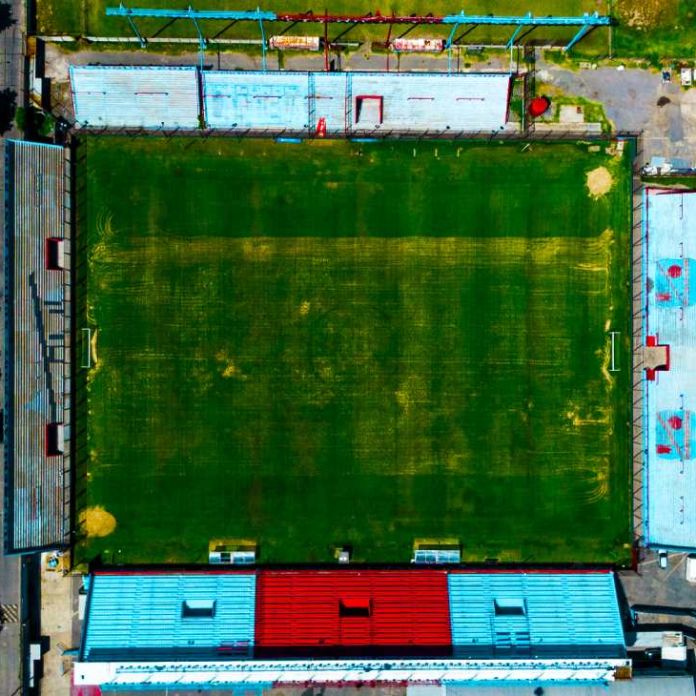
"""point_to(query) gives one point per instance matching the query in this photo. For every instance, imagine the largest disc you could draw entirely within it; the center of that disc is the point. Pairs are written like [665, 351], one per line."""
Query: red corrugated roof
[328, 611]
[530, 571]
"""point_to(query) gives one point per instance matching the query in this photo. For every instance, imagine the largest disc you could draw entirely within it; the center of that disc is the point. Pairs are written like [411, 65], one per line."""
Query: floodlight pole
[326, 40]
[448, 46]
[202, 43]
[133, 26]
[263, 41]
[581, 32]
[515, 33]
[388, 41]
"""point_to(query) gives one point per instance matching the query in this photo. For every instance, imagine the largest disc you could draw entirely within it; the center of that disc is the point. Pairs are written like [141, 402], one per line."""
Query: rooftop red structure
[343, 612]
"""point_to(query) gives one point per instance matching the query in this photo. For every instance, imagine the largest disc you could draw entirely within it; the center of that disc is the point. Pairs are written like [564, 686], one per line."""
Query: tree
[6, 18]
[8, 106]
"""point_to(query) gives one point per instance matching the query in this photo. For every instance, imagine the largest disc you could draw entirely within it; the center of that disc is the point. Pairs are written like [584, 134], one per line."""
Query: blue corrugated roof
[184, 616]
[537, 614]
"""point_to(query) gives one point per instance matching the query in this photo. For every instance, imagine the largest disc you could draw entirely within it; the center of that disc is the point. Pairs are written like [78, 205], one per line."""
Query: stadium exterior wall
[357, 672]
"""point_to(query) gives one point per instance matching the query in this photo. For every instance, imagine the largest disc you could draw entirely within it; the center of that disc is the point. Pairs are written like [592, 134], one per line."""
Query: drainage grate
[9, 613]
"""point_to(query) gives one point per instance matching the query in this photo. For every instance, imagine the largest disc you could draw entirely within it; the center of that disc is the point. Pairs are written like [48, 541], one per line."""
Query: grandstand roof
[135, 97]
[381, 612]
[350, 103]
[37, 355]
[360, 103]
[670, 404]
[349, 613]
[175, 616]
[535, 614]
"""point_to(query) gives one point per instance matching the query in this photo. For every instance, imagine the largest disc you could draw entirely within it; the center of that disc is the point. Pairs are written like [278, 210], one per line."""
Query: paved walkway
[58, 60]
[10, 656]
[59, 621]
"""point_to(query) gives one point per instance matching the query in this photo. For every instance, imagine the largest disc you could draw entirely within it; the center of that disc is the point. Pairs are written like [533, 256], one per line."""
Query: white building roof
[135, 97]
[670, 399]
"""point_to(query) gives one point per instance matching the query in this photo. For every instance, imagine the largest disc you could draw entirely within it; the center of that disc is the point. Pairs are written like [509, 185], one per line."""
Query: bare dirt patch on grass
[97, 522]
[599, 181]
[646, 14]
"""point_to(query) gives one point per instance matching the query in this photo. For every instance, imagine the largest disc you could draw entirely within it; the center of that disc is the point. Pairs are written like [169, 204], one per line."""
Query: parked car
[691, 567]
[662, 558]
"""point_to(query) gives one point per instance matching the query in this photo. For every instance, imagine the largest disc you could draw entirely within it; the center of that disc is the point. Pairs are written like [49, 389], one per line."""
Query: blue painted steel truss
[194, 16]
[585, 23]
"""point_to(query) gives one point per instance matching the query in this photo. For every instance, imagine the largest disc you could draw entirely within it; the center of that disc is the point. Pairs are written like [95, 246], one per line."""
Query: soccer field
[342, 343]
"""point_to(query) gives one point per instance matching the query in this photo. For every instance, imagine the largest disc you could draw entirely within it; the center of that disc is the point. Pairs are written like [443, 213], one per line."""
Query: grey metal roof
[36, 347]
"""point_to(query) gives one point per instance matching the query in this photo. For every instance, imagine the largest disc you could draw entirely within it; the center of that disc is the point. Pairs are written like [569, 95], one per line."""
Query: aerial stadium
[331, 378]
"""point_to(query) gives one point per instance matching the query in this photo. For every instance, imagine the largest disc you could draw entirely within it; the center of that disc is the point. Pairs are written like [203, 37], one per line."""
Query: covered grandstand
[360, 103]
[227, 628]
[130, 96]
[301, 103]
[670, 359]
[37, 348]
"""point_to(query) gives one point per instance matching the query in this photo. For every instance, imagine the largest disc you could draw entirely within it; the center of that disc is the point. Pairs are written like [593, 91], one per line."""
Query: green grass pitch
[333, 342]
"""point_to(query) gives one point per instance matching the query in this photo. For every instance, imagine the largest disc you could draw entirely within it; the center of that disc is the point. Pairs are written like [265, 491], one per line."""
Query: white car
[662, 558]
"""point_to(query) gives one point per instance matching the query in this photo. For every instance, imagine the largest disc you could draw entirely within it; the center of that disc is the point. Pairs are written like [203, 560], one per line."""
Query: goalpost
[88, 362]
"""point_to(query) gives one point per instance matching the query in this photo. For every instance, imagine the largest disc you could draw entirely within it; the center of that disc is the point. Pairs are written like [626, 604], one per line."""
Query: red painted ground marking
[675, 422]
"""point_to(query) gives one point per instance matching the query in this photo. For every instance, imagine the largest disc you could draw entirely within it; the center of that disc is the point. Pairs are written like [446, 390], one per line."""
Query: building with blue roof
[169, 616]
[540, 615]
[200, 630]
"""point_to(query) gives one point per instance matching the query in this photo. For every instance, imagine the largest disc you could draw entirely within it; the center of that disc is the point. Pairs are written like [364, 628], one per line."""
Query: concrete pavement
[10, 662]
[630, 99]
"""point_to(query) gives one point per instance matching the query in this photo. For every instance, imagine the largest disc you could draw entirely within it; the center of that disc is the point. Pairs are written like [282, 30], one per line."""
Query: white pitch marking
[613, 367]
